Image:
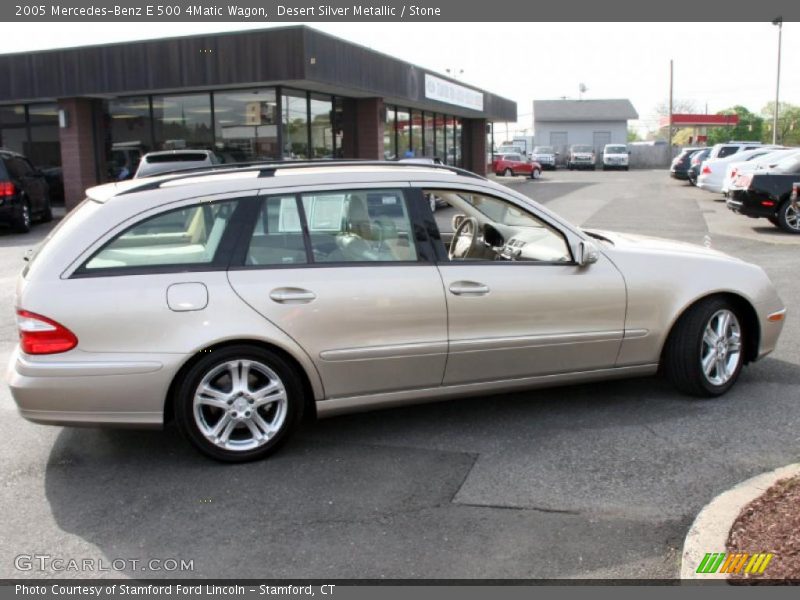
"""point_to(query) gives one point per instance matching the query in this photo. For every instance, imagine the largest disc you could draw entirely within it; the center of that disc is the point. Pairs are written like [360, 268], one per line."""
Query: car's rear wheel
[705, 350]
[774, 221]
[508, 173]
[47, 213]
[239, 403]
[22, 222]
[789, 217]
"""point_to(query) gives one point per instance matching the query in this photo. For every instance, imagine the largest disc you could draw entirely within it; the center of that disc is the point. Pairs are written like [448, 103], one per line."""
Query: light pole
[779, 22]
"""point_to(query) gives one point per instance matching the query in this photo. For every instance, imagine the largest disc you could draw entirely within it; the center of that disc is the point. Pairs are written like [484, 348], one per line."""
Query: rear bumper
[741, 203]
[82, 389]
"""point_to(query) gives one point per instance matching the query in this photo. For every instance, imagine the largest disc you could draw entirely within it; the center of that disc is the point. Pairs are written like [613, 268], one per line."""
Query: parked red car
[516, 164]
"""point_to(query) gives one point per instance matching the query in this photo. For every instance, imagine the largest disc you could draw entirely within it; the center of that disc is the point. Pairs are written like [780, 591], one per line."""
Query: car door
[538, 315]
[342, 272]
[31, 181]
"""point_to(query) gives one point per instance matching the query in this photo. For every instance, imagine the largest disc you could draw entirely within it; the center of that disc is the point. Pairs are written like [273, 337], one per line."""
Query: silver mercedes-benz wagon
[235, 299]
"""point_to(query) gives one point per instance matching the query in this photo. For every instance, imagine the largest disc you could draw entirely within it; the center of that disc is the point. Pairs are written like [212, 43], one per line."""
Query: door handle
[468, 288]
[292, 295]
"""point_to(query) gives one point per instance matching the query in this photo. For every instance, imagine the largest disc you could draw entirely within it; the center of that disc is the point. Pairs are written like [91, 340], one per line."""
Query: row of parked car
[756, 180]
[580, 156]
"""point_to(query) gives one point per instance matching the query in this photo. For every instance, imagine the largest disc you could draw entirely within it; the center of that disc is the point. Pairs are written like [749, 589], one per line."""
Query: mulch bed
[770, 523]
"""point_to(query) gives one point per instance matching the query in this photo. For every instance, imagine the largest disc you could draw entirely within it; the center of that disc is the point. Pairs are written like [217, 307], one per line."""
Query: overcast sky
[718, 64]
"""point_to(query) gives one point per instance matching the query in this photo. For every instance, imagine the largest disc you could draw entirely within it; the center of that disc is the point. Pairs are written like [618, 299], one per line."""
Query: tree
[680, 106]
[750, 127]
[788, 123]
[633, 135]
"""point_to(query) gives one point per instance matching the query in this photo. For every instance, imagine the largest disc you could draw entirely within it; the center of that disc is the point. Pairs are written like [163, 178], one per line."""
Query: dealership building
[285, 93]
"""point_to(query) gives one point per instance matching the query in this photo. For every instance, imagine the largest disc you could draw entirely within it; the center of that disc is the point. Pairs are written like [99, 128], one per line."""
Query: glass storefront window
[440, 138]
[182, 122]
[14, 138]
[129, 127]
[338, 126]
[294, 122]
[403, 133]
[322, 137]
[416, 133]
[457, 143]
[429, 149]
[246, 125]
[12, 115]
[44, 150]
[389, 137]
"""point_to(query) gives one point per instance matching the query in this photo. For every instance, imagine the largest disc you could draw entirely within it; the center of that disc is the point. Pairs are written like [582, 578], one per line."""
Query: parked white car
[728, 148]
[712, 173]
[751, 165]
[616, 156]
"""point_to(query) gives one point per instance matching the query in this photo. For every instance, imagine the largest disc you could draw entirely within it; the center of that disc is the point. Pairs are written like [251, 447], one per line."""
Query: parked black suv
[24, 194]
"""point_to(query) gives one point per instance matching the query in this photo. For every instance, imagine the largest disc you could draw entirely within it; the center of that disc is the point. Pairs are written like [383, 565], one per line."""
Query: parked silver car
[165, 161]
[235, 300]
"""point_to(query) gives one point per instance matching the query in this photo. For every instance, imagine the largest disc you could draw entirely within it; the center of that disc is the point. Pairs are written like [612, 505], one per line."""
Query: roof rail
[269, 168]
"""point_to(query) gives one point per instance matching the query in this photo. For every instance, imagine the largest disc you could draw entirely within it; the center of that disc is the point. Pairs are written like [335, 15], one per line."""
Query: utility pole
[669, 125]
[779, 22]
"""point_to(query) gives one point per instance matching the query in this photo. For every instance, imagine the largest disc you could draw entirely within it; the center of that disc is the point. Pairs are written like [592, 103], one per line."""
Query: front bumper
[79, 388]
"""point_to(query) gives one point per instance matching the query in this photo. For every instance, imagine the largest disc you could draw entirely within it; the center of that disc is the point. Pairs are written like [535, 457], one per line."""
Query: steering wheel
[465, 239]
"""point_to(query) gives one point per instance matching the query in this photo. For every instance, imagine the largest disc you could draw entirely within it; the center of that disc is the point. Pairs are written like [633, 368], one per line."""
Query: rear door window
[727, 151]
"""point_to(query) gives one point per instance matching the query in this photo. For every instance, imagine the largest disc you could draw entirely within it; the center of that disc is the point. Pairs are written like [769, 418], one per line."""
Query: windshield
[616, 150]
[543, 150]
[582, 149]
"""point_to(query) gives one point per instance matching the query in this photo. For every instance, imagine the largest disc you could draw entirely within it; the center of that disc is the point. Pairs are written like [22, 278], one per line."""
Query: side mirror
[457, 220]
[587, 253]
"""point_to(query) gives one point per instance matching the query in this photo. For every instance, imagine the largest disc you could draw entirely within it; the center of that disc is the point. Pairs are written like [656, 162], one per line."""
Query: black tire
[774, 221]
[536, 174]
[184, 401]
[508, 173]
[22, 221]
[682, 354]
[789, 218]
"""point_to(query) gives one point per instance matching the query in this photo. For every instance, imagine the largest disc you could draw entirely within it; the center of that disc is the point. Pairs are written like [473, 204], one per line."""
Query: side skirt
[351, 404]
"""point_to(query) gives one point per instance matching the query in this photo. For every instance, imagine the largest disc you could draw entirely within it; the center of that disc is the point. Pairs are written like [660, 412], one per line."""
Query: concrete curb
[710, 529]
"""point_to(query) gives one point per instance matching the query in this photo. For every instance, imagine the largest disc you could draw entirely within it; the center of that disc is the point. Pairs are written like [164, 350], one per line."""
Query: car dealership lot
[600, 480]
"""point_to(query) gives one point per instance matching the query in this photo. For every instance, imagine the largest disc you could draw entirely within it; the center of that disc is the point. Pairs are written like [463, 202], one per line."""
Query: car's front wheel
[789, 217]
[239, 403]
[704, 353]
[536, 174]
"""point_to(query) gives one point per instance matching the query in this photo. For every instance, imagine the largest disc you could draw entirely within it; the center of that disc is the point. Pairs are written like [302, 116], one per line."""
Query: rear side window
[727, 151]
[182, 237]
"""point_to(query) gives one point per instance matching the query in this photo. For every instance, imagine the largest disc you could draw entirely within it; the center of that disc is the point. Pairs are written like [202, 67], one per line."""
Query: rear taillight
[706, 170]
[733, 173]
[40, 335]
[795, 192]
[7, 189]
[743, 181]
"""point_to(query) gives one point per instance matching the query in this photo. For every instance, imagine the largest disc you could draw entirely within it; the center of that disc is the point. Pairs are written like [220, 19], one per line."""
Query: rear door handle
[468, 288]
[290, 295]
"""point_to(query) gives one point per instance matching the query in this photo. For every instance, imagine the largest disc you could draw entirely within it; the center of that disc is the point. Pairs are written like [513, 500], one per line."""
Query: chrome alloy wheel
[721, 350]
[240, 405]
[792, 217]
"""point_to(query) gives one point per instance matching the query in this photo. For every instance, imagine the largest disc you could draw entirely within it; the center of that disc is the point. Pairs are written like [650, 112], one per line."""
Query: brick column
[363, 121]
[79, 150]
[473, 140]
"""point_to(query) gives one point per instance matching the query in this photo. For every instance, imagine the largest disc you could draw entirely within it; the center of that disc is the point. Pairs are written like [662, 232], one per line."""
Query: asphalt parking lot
[588, 481]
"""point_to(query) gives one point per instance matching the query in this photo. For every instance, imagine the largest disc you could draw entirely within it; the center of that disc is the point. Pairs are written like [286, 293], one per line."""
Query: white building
[561, 123]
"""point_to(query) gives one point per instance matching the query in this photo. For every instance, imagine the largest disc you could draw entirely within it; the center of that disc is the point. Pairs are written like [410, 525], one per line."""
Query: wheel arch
[309, 392]
[744, 308]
